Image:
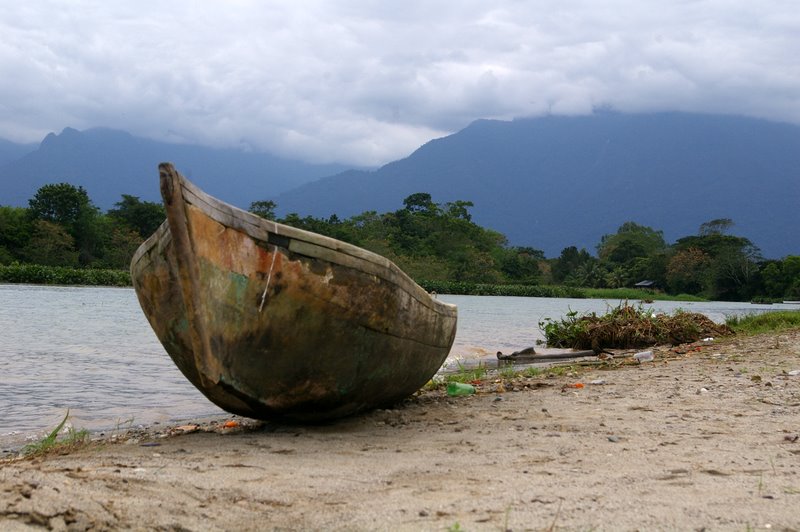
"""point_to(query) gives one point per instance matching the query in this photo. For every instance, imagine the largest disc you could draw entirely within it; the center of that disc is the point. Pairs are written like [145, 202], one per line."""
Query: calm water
[92, 351]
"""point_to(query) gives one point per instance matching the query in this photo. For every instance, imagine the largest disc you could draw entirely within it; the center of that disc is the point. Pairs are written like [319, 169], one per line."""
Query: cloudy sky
[367, 82]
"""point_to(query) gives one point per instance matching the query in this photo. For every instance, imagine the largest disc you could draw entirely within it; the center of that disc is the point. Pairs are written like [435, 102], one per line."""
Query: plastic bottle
[460, 388]
[644, 356]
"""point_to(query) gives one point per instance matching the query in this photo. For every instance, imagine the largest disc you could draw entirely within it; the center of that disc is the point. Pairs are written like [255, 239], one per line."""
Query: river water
[91, 350]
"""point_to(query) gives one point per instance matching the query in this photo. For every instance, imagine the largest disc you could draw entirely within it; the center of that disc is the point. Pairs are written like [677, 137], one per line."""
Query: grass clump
[532, 371]
[628, 327]
[637, 293]
[766, 322]
[466, 374]
[51, 444]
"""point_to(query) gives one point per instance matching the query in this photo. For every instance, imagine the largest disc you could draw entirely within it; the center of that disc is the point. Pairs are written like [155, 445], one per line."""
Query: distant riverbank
[58, 275]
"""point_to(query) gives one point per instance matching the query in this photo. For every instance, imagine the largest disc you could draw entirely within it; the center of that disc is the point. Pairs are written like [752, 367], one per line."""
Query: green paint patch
[238, 287]
[183, 325]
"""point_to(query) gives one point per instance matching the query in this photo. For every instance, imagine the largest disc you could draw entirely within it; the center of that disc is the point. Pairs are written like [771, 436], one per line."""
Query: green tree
[459, 209]
[432, 242]
[144, 217]
[420, 202]
[521, 264]
[568, 262]
[781, 278]
[69, 207]
[652, 268]
[629, 242]
[590, 274]
[50, 245]
[15, 231]
[734, 268]
[688, 271]
[60, 203]
[718, 226]
[264, 209]
[119, 248]
[616, 278]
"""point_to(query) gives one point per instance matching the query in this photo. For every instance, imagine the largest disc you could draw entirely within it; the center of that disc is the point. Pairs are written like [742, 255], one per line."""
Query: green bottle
[459, 388]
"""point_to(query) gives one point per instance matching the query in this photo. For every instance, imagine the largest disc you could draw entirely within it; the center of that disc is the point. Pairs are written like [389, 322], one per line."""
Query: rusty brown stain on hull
[291, 324]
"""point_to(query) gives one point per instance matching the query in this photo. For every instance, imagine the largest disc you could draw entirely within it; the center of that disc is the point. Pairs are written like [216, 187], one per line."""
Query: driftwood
[529, 355]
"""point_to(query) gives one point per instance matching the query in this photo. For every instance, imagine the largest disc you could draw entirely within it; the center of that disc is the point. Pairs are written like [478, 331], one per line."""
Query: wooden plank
[255, 226]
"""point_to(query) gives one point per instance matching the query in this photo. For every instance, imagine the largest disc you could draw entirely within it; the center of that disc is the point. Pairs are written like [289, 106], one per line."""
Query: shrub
[480, 289]
[38, 274]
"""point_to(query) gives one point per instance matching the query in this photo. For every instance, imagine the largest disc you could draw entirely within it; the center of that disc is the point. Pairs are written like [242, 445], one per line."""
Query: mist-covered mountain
[548, 182]
[11, 151]
[557, 181]
[109, 163]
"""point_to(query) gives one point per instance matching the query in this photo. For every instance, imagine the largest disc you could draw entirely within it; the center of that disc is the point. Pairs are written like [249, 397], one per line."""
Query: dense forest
[61, 227]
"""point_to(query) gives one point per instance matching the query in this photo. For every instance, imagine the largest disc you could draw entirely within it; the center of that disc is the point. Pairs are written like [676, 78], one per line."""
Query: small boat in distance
[269, 321]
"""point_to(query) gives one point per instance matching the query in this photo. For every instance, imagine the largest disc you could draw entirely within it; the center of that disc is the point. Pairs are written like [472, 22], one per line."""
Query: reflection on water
[90, 350]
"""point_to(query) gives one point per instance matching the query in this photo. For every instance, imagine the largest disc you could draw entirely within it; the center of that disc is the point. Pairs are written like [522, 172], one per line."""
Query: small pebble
[613, 439]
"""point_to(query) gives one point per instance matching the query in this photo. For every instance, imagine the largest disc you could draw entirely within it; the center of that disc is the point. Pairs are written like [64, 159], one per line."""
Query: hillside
[109, 163]
[557, 181]
[11, 151]
[546, 182]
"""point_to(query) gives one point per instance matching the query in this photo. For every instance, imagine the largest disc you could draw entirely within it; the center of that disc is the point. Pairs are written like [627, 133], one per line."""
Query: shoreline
[11, 444]
[708, 438]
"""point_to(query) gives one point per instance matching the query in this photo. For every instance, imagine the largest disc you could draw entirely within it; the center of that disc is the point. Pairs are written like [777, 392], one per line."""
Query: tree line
[712, 264]
[62, 227]
[429, 241]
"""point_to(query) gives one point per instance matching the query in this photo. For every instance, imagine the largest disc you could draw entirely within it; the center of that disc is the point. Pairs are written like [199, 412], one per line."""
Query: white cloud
[368, 82]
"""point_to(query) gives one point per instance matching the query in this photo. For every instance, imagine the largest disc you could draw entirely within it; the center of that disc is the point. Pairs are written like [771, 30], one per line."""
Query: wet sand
[706, 439]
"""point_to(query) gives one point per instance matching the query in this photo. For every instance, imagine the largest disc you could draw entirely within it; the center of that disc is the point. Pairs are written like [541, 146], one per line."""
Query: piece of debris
[460, 388]
[528, 352]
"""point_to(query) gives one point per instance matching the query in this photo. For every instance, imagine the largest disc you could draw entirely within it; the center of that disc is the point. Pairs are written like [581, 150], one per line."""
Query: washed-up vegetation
[628, 327]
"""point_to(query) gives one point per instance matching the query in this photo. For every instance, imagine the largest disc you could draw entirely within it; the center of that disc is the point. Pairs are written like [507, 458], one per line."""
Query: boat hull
[269, 321]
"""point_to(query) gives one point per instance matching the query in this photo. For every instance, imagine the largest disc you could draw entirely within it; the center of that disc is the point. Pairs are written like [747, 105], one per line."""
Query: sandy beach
[705, 437]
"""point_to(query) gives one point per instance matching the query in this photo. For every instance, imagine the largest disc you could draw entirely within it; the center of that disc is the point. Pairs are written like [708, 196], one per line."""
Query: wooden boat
[270, 321]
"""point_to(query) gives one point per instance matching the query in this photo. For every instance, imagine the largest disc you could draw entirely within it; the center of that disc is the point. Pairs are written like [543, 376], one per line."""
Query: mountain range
[547, 182]
[10, 151]
[109, 163]
[557, 181]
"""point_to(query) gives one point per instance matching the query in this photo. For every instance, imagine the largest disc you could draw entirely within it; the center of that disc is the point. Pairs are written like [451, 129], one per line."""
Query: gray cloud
[367, 82]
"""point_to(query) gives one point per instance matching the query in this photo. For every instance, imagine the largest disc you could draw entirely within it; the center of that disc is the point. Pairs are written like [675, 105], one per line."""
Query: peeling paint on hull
[270, 321]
